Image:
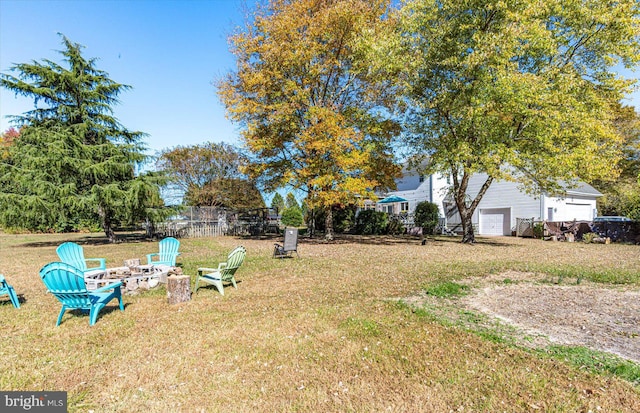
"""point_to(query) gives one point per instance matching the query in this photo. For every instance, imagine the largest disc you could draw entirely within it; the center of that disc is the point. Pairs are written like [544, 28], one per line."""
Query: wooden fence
[201, 230]
[196, 222]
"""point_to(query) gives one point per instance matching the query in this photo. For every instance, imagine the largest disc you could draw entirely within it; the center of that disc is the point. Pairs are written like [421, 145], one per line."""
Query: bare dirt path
[592, 315]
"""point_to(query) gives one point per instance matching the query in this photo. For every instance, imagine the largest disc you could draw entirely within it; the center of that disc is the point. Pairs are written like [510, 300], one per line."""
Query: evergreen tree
[277, 203]
[291, 201]
[292, 217]
[292, 214]
[73, 160]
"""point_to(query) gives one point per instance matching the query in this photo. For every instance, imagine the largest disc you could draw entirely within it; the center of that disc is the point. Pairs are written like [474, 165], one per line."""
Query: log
[178, 289]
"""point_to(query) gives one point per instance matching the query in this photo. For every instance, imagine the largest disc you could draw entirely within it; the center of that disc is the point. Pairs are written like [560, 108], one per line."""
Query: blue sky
[170, 52]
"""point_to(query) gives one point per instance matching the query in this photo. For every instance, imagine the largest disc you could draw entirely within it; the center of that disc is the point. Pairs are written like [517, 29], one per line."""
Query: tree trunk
[108, 230]
[150, 228]
[311, 224]
[328, 224]
[468, 235]
[466, 210]
[105, 216]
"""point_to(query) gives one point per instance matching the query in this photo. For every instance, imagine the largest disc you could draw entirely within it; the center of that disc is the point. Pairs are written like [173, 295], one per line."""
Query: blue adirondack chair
[73, 254]
[225, 271]
[168, 253]
[6, 289]
[67, 284]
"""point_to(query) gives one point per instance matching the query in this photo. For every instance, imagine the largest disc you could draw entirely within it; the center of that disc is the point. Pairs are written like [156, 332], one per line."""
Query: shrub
[426, 217]
[538, 230]
[292, 217]
[395, 226]
[343, 219]
[370, 222]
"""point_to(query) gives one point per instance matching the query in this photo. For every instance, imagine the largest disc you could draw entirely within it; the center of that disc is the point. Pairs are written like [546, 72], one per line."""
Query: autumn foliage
[310, 110]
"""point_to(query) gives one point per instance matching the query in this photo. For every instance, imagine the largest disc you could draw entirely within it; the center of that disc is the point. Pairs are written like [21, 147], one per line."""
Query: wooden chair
[6, 289]
[167, 254]
[67, 284]
[225, 273]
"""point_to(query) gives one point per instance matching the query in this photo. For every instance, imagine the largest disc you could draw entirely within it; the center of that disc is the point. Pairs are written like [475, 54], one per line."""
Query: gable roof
[584, 189]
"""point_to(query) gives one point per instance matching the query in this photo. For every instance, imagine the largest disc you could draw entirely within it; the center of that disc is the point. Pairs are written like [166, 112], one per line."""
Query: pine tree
[291, 201]
[277, 203]
[73, 160]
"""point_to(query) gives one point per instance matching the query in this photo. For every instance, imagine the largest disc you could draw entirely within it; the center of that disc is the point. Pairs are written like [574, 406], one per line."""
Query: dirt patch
[542, 313]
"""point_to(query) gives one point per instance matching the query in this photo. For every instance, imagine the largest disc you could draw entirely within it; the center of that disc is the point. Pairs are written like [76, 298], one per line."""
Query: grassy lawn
[325, 332]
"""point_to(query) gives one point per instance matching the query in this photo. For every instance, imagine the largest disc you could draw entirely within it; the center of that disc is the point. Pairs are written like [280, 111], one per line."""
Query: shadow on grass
[405, 239]
[91, 239]
[339, 239]
[85, 313]
[8, 302]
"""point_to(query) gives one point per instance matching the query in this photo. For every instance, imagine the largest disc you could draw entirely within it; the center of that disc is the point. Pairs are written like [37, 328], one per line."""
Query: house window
[404, 207]
[421, 178]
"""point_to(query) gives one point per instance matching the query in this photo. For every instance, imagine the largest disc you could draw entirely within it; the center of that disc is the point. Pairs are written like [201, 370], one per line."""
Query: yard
[338, 329]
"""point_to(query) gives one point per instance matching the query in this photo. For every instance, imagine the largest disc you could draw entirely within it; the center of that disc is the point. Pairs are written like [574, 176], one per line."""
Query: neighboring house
[499, 208]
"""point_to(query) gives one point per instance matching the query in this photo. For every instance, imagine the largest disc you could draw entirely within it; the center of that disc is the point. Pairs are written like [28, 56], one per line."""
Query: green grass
[447, 289]
[596, 361]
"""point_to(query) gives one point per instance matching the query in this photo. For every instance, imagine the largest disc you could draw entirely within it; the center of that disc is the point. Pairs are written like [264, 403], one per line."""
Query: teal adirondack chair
[67, 284]
[225, 271]
[168, 253]
[73, 254]
[6, 289]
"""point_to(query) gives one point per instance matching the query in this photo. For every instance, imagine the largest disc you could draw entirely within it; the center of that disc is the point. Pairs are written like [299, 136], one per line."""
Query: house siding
[569, 208]
[502, 197]
[414, 191]
[504, 194]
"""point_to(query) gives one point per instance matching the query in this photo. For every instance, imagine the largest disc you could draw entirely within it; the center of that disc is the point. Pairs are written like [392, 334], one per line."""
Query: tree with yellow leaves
[313, 116]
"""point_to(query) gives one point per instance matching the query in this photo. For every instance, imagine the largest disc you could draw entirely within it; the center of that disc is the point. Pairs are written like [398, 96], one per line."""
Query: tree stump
[178, 289]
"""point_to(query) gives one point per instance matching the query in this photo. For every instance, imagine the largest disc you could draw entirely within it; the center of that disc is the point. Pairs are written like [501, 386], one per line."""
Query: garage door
[495, 221]
[580, 212]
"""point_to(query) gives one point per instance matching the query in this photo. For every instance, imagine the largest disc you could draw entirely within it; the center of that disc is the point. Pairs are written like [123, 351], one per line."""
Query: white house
[499, 208]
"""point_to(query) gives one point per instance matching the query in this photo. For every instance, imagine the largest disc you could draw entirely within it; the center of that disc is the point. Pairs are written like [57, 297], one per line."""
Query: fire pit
[133, 276]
